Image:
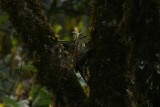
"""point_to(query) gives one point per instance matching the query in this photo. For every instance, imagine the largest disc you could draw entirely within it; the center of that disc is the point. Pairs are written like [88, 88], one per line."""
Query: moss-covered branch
[41, 45]
[109, 56]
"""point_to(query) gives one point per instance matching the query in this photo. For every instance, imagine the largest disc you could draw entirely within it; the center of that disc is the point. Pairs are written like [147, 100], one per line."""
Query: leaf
[26, 67]
[43, 98]
[23, 102]
[8, 102]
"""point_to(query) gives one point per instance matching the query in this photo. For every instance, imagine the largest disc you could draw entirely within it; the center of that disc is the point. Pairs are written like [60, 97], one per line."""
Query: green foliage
[41, 97]
[2, 19]
[26, 68]
[8, 102]
[57, 28]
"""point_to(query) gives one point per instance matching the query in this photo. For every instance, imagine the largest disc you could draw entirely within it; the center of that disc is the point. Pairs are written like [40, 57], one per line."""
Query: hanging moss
[41, 45]
[109, 56]
[142, 25]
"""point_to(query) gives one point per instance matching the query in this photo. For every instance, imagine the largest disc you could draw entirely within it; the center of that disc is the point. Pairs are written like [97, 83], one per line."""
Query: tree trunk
[108, 62]
[142, 25]
[124, 53]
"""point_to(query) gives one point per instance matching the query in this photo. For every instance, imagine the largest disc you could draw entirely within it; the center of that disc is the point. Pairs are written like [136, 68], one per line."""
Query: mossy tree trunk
[41, 45]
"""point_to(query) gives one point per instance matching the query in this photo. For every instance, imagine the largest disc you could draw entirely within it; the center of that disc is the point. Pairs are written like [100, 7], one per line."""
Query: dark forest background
[79, 53]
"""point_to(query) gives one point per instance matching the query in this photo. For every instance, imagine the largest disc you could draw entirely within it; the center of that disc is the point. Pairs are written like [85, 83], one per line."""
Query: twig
[63, 41]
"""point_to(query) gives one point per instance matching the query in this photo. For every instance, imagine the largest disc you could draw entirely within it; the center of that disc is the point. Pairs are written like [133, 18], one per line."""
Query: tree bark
[109, 55]
[142, 25]
[124, 53]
